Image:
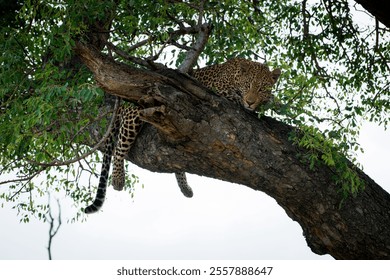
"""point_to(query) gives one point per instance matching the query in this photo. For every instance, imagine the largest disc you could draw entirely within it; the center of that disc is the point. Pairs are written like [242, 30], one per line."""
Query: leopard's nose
[250, 105]
[250, 102]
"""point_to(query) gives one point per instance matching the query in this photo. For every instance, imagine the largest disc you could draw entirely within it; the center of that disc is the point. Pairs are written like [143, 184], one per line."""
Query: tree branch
[193, 54]
[222, 141]
[195, 131]
[53, 230]
[116, 78]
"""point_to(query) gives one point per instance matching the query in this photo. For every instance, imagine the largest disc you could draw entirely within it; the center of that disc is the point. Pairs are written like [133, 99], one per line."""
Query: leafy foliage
[335, 75]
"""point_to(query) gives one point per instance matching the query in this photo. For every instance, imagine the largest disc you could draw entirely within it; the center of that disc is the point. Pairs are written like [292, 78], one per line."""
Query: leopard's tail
[103, 181]
[183, 185]
[102, 187]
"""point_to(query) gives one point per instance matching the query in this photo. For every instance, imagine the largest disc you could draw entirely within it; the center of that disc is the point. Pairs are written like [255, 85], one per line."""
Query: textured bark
[192, 130]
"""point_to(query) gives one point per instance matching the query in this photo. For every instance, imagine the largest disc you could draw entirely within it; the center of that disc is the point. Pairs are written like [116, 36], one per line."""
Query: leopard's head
[256, 81]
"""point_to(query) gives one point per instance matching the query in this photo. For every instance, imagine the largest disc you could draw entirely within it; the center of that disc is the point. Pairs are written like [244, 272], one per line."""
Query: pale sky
[221, 221]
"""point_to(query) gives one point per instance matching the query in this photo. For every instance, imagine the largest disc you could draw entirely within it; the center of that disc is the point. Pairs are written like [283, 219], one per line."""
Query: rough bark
[192, 130]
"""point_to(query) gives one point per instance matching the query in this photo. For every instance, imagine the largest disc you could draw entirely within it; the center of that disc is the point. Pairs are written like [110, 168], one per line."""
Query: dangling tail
[103, 181]
[183, 185]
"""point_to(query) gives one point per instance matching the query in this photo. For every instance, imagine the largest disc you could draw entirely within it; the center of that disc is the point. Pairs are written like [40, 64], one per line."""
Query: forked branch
[53, 229]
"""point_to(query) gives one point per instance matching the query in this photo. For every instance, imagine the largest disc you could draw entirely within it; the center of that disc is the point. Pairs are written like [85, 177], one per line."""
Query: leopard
[242, 81]
[127, 125]
[239, 80]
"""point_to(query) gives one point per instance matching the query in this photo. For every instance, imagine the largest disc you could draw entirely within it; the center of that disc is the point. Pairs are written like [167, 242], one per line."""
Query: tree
[60, 59]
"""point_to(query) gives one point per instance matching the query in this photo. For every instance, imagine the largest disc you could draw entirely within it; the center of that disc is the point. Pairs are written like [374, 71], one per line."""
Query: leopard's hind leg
[129, 128]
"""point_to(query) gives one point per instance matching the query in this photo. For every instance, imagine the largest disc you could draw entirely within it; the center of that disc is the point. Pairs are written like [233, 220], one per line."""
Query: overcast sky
[221, 221]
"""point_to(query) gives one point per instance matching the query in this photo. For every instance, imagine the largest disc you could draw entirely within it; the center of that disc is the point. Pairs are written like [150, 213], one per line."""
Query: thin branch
[178, 22]
[188, 30]
[376, 48]
[143, 62]
[180, 46]
[28, 178]
[139, 44]
[192, 6]
[26, 54]
[20, 189]
[305, 20]
[102, 140]
[203, 31]
[85, 127]
[53, 230]
[201, 12]
[379, 93]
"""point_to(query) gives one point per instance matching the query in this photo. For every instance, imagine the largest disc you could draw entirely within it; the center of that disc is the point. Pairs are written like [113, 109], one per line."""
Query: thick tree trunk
[195, 131]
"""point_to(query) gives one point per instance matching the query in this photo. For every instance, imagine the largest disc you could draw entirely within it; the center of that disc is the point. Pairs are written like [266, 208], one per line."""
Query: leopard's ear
[275, 74]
